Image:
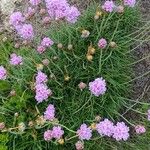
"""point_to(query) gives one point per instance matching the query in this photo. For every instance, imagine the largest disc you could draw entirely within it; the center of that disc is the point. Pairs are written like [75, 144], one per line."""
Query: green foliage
[73, 107]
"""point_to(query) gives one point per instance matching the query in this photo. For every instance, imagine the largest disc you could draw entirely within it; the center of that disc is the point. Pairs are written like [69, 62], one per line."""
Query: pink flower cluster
[55, 133]
[35, 2]
[119, 131]
[72, 14]
[148, 114]
[42, 92]
[46, 42]
[16, 19]
[3, 73]
[140, 129]
[61, 9]
[130, 3]
[79, 145]
[84, 133]
[15, 60]
[41, 89]
[105, 128]
[49, 114]
[108, 6]
[24, 30]
[98, 87]
[102, 43]
[41, 77]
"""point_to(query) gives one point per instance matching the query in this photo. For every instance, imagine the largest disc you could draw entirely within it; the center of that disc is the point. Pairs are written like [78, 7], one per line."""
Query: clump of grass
[73, 106]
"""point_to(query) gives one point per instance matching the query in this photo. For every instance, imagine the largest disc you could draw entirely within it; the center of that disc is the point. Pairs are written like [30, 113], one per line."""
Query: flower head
[2, 125]
[56, 8]
[45, 62]
[140, 129]
[102, 43]
[16, 18]
[15, 60]
[85, 33]
[57, 132]
[3, 73]
[79, 145]
[42, 92]
[35, 2]
[72, 14]
[49, 114]
[41, 49]
[98, 87]
[148, 114]
[26, 32]
[105, 128]
[41, 77]
[47, 42]
[121, 131]
[130, 3]
[48, 135]
[82, 85]
[108, 6]
[84, 133]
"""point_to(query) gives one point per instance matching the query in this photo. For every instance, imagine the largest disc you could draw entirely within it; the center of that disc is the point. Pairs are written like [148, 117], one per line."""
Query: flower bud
[55, 58]
[45, 62]
[96, 17]
[17, 45]
[93, 126]
[16, 114]
[46, 20]
[40, 121]
[42, 11]
[82, 86]
[89, 57]
[39, 67]
[61, 141]
[85, 33]
[70, 46]
[97, 118]
[21, 127]
[79, 145]
[120, 9]
[31, 124]
[113, 44]
[2, 125]
[12, 93]
[91, 50]
[25, 42]
[60, 46]
[5, 39]
[67, 78]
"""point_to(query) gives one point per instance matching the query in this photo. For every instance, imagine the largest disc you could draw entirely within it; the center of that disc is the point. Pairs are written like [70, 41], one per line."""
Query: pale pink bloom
[140, 129]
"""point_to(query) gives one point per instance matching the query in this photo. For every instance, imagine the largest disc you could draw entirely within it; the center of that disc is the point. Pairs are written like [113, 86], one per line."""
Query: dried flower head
[85, 33]
[21, 127]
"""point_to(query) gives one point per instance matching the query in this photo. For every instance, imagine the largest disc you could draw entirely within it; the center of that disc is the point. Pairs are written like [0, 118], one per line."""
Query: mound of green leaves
[73, 106]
